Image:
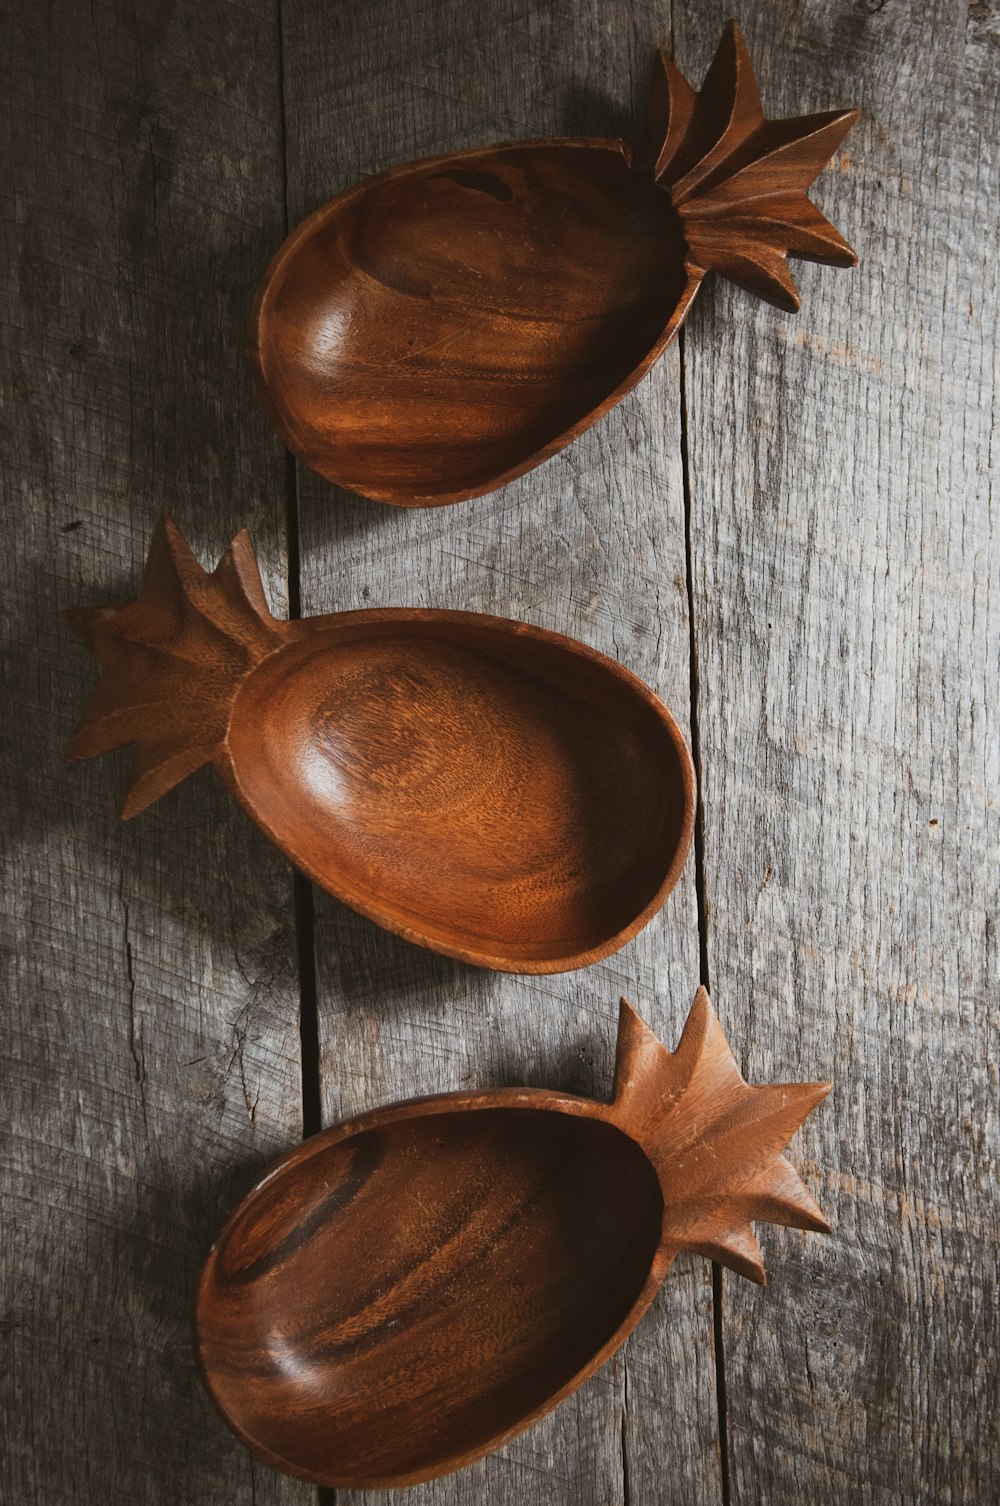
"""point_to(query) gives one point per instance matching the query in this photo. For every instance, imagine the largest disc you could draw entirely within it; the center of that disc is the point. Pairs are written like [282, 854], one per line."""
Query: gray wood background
[785, 530]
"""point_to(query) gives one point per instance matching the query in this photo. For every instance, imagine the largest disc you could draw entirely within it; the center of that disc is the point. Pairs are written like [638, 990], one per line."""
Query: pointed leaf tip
[638, 1053]
[736, 44]
[701, 1007]
[135, 803]
[740, 1252]
[668, 116]
[169, 536]
[76, 751]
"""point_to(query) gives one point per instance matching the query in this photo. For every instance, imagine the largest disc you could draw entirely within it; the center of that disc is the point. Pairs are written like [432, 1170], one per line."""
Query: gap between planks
[699, 857]
[700, 898]
[304, 901]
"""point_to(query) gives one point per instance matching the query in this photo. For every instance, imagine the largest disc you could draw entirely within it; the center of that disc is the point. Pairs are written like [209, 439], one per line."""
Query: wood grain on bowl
[410, 1289]
[442, 327]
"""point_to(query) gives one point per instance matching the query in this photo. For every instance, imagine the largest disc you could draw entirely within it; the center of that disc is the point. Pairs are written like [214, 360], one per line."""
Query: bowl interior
[396, 1301]
[483, 791]
[436, 329]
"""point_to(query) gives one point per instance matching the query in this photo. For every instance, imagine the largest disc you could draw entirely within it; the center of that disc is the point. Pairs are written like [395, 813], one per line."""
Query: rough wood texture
[149, 1000]
[591, 544]
[845, 584]
[446, 325]
[845, 600]
[495, 792]
[411, 1288]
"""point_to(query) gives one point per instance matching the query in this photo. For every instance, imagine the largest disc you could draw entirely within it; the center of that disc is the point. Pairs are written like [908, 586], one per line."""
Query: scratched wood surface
[149, 1009]
[844, 625]
[848, 635]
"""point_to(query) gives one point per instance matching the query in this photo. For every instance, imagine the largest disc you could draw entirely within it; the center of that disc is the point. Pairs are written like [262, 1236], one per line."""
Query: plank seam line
[626, 1481]
[700, 896]
[302, 890]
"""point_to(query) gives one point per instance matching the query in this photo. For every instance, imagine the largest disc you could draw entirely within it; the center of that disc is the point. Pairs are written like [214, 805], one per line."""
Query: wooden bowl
[488, 789]
[443, 327]
[408, 1290]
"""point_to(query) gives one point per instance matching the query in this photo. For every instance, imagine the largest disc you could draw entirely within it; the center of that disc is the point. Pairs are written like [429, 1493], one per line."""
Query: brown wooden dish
[443, 327]
[410, 1289]
[485, 788]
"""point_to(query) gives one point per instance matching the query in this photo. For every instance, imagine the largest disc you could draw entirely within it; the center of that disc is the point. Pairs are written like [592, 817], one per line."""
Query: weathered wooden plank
[593, 545]
[150, 1002]
[844, 575]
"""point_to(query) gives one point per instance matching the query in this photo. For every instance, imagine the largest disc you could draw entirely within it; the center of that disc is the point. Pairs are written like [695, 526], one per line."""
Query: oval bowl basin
[404, 1293]
[442, 327]
[496, 792]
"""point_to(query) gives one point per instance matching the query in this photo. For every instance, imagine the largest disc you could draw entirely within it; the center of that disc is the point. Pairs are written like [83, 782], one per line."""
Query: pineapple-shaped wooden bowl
[482, 787]
[410, 1289]
[443, 327]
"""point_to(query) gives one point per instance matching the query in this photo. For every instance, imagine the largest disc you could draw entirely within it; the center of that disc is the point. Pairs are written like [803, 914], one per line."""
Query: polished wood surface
[482, 787]
[409, 1289]
[443, 327]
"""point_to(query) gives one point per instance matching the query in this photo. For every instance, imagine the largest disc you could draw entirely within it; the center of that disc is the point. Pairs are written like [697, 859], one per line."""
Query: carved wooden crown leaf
[714, 1139]
[738, 180]
[172, 660]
